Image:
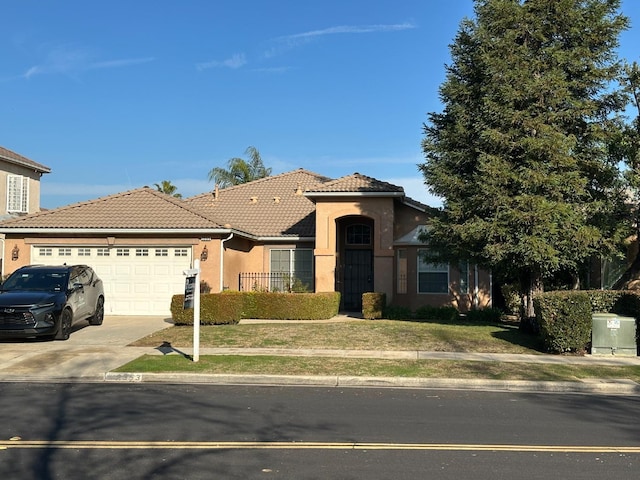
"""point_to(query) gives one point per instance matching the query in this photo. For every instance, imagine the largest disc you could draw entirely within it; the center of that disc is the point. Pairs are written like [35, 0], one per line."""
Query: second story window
[17, 194]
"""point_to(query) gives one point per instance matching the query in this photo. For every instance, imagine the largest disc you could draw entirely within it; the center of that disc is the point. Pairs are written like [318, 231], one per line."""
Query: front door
[358, 277]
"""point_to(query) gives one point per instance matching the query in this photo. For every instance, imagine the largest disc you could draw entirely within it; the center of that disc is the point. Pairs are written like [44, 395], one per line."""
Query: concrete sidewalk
[92, 353]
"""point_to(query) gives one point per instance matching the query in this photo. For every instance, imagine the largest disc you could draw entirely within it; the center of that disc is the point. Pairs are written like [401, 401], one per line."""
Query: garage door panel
[133, 284]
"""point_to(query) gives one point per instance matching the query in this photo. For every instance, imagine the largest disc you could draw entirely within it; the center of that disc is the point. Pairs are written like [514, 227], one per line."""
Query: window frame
[309, 282]
[431, 268]
[17, 194]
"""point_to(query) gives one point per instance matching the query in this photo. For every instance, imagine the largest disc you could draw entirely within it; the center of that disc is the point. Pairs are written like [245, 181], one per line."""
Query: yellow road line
[114, 445]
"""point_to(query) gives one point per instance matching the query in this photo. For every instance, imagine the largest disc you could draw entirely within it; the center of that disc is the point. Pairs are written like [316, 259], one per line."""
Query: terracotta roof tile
[277, 206]
[270, 207]
[357, 183]
[144, 208]
[13, 157]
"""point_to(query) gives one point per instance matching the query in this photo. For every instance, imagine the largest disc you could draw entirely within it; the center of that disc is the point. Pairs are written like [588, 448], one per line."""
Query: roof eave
[37, 168]
[104, 231]
[354, 194]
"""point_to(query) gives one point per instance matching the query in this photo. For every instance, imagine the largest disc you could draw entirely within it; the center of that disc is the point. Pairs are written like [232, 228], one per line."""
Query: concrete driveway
[90, 352]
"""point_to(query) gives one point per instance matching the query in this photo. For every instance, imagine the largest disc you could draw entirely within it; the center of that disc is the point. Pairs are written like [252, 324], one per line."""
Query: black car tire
[98, 314]
[64, 325]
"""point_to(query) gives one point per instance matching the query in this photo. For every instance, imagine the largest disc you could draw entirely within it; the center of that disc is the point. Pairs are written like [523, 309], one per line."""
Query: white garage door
[137, 280]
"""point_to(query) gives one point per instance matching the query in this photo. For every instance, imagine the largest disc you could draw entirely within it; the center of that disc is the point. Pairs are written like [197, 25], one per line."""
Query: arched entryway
[354, 260]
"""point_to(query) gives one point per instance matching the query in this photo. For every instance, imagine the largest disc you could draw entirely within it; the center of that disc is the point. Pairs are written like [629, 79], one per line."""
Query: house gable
[19, 184]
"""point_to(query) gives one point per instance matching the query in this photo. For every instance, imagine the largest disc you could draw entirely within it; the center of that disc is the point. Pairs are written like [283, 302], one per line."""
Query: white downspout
[222, 260]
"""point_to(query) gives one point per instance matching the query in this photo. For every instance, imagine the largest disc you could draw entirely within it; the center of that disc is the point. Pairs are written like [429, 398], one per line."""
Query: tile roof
[357, 183]
[277, 206]
[13, 157]
[144, 208]
[270, 207]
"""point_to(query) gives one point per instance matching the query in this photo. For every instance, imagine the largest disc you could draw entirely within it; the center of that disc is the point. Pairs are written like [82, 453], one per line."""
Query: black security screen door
[358, 277]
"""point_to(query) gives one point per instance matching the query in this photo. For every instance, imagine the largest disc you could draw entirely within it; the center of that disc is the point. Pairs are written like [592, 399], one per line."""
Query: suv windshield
[36, 280]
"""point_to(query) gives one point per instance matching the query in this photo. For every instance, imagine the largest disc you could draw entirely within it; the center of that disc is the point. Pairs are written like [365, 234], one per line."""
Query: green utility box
[612, 334]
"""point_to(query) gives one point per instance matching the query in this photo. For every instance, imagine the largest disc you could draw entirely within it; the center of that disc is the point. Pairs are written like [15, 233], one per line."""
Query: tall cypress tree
[518, 152]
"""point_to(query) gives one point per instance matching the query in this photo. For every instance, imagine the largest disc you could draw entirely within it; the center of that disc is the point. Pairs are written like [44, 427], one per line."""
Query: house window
[181, 252]
[142, 252]
[432, 277]
[17, 194]
[103, 252]
[162, 252]
[401, 272]
[291, 269]
[359, 234]
[122, 252]
[463, 268]
[84, 252]
[64, 252]
[45, 252]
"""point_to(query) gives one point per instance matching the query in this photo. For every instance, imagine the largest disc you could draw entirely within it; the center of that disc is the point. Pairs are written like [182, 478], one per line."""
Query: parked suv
[42, 300]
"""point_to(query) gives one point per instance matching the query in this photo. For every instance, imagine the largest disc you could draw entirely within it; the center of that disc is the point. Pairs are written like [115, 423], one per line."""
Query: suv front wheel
[64, 325]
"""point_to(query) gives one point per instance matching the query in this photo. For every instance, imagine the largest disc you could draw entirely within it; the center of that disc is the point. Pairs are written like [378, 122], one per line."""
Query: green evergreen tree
[519, 151]
[240, 170]
[626, 148]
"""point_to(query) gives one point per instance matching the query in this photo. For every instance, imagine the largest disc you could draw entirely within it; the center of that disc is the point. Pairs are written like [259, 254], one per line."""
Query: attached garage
[139, 242]
[138, 280]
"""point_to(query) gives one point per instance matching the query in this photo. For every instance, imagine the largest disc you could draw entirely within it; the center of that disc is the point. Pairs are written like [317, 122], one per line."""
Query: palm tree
[240, 170]
[167, 187]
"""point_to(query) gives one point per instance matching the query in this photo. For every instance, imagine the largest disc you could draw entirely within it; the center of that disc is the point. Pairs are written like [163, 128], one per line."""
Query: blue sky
[116, 95]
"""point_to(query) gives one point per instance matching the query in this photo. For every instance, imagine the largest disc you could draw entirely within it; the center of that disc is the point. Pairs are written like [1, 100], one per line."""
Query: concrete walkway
[92, 353]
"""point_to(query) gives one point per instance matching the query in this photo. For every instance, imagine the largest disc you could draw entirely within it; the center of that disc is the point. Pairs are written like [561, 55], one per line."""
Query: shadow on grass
[506, 331]
[516, 336]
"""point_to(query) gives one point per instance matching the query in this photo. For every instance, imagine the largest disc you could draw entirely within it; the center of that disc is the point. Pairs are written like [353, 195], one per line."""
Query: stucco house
[298, 230]
[19, 184]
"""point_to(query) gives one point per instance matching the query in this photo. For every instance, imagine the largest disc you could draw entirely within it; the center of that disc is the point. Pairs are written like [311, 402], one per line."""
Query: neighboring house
[298, 230]
[19, 184]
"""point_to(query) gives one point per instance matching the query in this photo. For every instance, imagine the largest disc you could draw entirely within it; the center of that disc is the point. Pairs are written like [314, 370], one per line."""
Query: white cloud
[69, 60]
[289, 42]
[125, 62]
[236, 61]
[342, 29]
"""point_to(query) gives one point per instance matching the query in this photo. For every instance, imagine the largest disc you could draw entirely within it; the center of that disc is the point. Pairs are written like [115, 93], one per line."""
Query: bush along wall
[230, 307]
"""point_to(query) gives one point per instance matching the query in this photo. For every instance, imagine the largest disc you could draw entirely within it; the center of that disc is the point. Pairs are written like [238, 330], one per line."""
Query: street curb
[597, 386]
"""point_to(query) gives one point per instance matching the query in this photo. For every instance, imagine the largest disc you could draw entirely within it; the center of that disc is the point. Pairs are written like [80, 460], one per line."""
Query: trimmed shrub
[565, 321]
[373, 304]
[294, 306]
[230, 307]
[215, 309]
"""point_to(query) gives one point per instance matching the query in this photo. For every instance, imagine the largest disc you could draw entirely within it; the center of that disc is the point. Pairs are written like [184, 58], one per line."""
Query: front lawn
[356, 335]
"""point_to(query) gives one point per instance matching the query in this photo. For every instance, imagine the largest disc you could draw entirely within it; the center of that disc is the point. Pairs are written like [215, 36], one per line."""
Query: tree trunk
[530, 286]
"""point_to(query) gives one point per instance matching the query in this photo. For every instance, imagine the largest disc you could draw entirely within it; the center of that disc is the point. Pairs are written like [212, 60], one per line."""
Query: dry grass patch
[355, 335]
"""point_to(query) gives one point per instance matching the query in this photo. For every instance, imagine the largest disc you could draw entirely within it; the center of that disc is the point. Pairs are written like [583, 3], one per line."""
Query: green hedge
[565, 317]
[294, 306]
[230, 307]
[215, 309]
